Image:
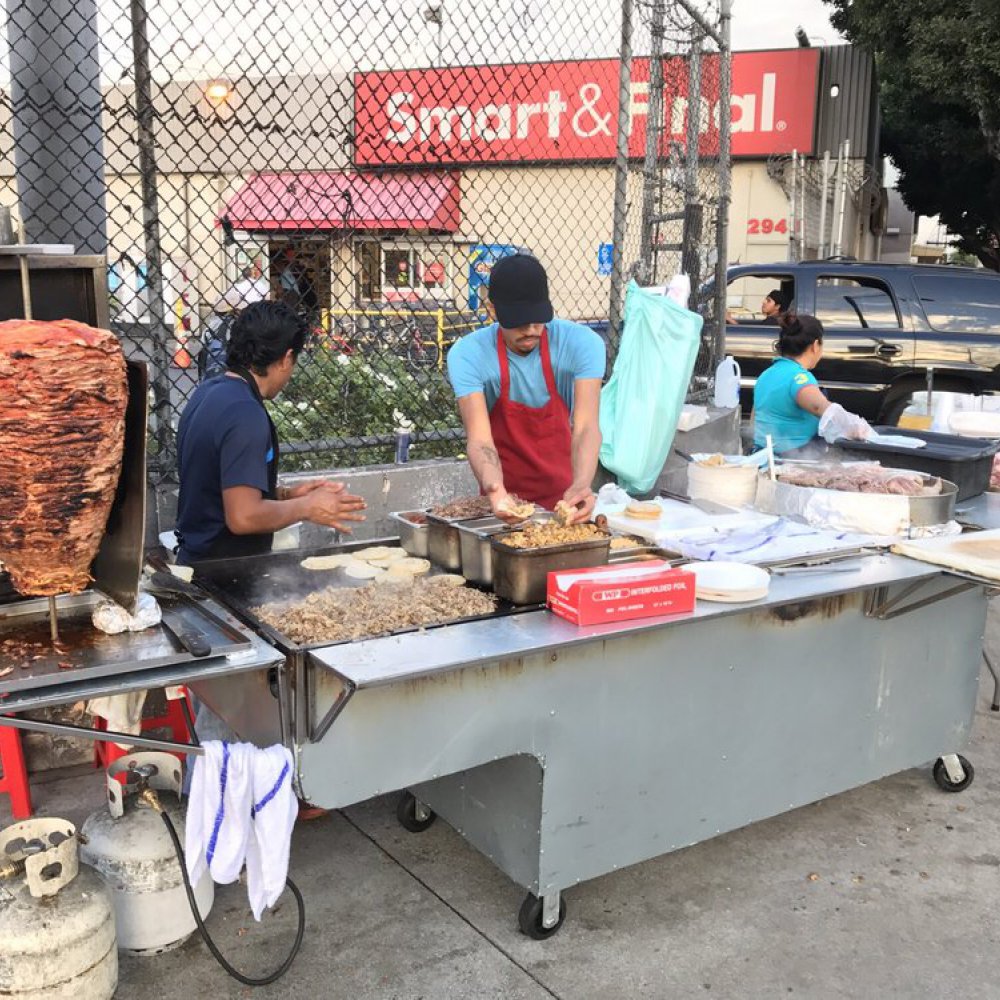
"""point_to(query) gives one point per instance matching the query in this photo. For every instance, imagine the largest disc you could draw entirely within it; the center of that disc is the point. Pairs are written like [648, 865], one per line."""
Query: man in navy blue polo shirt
[230, 503]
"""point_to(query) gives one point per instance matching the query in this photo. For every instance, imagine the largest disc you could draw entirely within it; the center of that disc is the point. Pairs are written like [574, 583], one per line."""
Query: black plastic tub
[967, 462]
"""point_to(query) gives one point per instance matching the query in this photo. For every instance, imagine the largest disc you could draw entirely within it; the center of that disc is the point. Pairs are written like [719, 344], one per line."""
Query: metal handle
[888, 350]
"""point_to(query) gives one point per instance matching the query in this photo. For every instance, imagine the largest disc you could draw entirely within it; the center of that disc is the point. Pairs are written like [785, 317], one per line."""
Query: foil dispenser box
[616, 593]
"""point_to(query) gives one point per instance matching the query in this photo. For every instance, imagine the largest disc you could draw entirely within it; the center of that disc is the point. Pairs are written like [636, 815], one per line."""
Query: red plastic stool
[14, 781]
[107, 752]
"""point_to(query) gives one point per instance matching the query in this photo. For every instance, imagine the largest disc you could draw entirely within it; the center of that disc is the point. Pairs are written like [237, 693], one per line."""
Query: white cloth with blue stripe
[241, 811]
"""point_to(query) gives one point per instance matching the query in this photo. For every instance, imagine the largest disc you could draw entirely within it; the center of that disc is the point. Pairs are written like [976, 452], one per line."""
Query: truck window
[960, 304]
[745, 294]
[856, 304]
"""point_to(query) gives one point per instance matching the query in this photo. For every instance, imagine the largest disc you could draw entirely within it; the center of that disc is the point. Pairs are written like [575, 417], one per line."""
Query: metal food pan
[777, 497]
[443, 545]
[477, 553]
[641, 553]
[521, 575]
[412, 537]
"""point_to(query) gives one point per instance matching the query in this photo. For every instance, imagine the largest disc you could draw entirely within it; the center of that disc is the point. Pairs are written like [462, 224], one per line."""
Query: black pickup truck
[887, 326]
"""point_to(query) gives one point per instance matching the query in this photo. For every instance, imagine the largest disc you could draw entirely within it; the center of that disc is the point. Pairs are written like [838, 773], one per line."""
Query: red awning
[336, 201]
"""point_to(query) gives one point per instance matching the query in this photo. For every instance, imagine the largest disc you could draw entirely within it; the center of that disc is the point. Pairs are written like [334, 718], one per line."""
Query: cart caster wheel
[406, 813]
[529, 918]
[945, 783]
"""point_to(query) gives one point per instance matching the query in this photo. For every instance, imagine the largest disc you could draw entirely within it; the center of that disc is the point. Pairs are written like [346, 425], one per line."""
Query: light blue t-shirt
[775, 410]
[576, 352]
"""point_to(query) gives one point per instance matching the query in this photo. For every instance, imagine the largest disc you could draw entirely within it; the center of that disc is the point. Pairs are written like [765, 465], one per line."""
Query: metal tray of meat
[444, 547]
[413, 535]
[776, 497]
[477, 553]
[521, 575]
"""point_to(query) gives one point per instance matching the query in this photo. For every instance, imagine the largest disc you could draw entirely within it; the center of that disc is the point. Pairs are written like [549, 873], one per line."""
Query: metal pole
[842, 179]
[158, 329]
[793, 229]
[802, 208]
[56, 108]
[725, 178]
[99, 735]
[654, 133]
[620, 210]
[691, 241]
[822, 204]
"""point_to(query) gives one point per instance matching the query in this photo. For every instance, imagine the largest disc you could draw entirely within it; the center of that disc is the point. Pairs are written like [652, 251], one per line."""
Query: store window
[856, 304]
[391, 272]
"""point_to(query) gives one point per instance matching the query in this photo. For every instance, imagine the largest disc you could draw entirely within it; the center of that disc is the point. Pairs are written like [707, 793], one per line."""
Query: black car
[887, 327]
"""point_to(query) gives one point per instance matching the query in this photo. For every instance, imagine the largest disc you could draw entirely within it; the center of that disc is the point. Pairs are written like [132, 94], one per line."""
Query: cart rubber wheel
[529, 918]
[945, 783]
[406, 813]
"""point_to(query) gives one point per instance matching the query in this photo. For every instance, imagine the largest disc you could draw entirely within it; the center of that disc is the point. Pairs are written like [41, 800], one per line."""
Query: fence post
[440, 337]
[651, 180]
[621, 177]
[158, 329]
[725, 179]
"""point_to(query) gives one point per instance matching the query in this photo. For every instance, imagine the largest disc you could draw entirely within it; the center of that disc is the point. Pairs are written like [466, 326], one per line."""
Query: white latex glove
[837, 423]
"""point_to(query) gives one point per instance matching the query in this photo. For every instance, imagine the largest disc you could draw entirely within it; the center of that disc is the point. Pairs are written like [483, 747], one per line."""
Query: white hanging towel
[217, 828]
[241, 811]
[275, 810]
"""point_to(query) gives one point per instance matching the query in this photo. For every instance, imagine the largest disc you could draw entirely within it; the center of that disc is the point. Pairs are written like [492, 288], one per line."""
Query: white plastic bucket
[732, 485]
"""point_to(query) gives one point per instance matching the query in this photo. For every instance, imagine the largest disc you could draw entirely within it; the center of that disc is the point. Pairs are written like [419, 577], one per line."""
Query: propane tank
[57, 924]
[129, 846]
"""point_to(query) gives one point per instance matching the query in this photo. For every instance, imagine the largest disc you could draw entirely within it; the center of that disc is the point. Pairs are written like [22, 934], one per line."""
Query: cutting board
[678, 518]
[976, 553]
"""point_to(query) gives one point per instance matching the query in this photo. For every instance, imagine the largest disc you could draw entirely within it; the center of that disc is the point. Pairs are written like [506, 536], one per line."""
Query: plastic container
[727, 384]
[967, 462]
[975, 424]
[732, 485]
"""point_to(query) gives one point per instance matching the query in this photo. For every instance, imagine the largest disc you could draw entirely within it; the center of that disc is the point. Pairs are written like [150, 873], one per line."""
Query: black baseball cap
[519, 291]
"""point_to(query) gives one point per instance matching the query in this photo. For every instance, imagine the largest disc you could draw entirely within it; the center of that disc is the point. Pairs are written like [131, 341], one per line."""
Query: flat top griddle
[84, 652]
[250, 581]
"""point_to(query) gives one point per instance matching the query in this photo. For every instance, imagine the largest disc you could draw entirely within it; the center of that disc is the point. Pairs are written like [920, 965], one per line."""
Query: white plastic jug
[727, 384]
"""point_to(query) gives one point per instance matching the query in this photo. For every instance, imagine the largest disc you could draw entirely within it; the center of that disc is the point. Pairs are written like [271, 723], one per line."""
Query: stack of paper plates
[729, 581]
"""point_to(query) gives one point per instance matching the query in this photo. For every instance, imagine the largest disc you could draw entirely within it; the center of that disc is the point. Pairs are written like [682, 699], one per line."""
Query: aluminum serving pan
[477, 553]
[867, 513]
[413, 537]
[521, 575]
[443, 545]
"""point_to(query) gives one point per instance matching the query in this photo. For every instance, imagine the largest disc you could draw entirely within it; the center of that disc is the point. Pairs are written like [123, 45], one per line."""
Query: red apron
[534, 442]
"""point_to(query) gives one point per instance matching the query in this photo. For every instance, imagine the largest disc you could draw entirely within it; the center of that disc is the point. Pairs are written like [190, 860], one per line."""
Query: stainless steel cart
[564, 753]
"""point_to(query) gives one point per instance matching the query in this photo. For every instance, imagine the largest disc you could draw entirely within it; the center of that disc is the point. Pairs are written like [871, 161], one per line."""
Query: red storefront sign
[568, 111]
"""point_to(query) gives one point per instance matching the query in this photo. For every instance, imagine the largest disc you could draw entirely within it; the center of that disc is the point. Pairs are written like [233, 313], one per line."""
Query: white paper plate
[729, 581]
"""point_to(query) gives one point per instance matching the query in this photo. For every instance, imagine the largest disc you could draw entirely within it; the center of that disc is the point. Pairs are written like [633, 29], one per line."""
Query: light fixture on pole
[434, 14]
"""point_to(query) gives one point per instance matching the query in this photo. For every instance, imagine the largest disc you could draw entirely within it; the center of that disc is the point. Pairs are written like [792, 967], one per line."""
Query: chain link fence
[366, 162]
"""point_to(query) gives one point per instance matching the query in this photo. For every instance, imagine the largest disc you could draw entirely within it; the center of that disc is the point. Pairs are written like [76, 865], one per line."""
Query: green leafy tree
[939, 71]
[332, 396]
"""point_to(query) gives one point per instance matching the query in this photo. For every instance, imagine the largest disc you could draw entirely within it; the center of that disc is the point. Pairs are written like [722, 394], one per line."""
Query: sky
[212, 39]
[764, 24]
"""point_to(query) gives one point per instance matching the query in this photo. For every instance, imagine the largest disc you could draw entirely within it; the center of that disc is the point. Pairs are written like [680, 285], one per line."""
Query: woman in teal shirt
[787, 400]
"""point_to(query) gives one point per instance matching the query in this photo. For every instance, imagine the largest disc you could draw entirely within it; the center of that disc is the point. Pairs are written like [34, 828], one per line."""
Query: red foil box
[617, 593]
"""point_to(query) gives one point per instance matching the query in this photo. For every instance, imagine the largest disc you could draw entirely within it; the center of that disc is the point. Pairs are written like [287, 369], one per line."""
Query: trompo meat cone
[63, 393]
